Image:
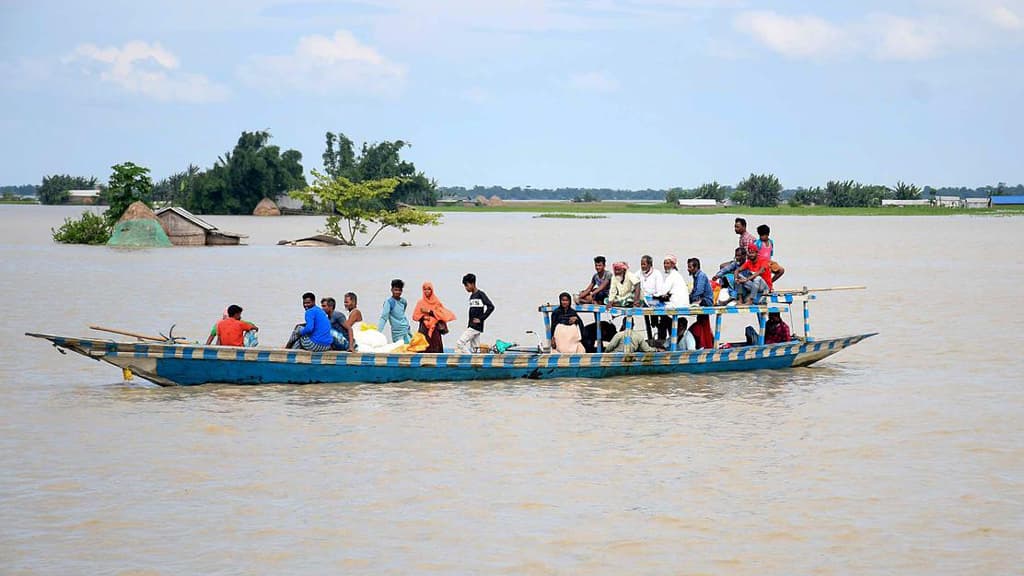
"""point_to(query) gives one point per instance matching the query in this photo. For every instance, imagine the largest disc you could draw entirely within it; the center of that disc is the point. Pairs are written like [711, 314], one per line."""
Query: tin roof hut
[186, 229]
[138, 227]
[266, 207]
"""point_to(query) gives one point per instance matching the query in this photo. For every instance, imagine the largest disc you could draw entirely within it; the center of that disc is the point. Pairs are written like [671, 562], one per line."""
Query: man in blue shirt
[394, 312]
[315, 333]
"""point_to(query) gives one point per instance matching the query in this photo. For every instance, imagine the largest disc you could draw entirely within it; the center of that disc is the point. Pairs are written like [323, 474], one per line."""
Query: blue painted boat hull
[187, 365]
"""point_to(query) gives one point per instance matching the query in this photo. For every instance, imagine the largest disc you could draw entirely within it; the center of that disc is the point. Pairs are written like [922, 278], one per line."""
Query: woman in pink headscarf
[433, 318]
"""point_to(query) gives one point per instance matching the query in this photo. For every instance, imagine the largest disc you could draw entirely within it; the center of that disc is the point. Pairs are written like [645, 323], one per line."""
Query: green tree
[711, 191]
[129, 183]
[378, 161]
[809, 196]
[176, 189]
[739, 196]
[354, 207]
[253, 170]
[904, 191]
[761, 189]
[88, 229]
[54, 189]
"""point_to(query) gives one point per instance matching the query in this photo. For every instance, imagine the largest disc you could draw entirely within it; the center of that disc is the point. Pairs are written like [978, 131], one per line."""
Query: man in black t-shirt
[480, 308]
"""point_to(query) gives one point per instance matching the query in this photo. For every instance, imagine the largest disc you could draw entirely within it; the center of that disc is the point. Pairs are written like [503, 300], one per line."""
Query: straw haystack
[495, 201]
[266, 207]
[139, 228]
[480, 201]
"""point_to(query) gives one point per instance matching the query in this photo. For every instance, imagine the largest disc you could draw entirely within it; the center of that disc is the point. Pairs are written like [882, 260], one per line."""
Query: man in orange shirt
[231, 330]
[753, 279]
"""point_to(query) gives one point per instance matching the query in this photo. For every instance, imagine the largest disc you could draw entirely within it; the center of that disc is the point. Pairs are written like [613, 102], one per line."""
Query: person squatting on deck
[433, 318]
[314, 334]
[480, 308]
[776, 331]
[394, 312]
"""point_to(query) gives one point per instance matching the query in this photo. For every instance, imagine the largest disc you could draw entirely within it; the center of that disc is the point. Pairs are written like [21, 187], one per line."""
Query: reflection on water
[899, 455]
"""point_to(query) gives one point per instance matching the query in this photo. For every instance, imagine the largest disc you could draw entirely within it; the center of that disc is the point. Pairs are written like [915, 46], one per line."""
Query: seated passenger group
[745, 280]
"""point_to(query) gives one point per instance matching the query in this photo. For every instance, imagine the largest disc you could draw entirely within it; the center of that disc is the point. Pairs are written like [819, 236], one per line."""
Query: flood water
[901, 455]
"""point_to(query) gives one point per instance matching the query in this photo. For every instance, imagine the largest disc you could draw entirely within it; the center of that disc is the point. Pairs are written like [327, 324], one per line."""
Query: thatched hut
[480, 201]
[266, 207]
[139, 228]
[186, 229]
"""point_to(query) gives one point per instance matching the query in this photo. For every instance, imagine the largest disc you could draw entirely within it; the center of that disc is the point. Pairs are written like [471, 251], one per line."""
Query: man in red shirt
[753, 279]
[231, 330]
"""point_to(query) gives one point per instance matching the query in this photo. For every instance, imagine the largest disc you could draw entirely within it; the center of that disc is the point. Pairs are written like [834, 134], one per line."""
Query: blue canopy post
[598, 343]
[761, 321]
[548, 328]
[718, 327]
[675, 330]
[807, 324]
[627, 325]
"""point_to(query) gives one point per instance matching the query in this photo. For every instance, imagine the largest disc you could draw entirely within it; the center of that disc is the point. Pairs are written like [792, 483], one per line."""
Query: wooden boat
[171, 364]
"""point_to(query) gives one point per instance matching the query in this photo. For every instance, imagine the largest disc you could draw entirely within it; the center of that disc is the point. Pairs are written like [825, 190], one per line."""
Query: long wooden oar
[127, 333]
[805, 289]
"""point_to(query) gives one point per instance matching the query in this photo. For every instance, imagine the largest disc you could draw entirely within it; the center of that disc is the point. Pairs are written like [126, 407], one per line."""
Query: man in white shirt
[651, 281]
[652, 285]
[678, 293]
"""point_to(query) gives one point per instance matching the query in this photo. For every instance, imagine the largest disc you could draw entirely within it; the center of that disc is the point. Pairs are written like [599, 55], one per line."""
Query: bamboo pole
[127, 333]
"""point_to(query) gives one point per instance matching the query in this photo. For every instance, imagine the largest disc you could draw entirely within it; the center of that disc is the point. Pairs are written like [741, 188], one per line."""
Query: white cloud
[323, 64]
[794, 36]
[146, 69]
[905, 39]
[596, 81]
[1005, 18]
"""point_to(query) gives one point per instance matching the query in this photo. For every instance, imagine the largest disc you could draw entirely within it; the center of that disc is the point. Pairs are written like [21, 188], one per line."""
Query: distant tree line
[754, 190]
[22, 190]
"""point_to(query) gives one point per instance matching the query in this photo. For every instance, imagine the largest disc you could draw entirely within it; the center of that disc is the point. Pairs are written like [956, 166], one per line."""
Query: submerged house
[84, 197]
[186, 229]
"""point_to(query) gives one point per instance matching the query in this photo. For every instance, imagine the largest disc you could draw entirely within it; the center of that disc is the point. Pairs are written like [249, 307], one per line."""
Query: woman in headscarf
[433, 318]
[565, 313]
[566, 327]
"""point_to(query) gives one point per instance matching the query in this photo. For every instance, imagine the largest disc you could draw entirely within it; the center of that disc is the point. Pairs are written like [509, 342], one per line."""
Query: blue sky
[599, 93]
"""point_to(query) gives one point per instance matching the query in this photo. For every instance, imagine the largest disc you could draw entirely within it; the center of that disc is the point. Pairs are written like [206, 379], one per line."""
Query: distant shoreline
[612, 207]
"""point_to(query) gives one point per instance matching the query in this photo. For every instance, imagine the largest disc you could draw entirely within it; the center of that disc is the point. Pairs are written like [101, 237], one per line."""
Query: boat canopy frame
[774, 303]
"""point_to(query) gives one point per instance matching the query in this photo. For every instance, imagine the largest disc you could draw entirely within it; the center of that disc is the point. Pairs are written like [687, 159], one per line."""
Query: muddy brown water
[902, 455]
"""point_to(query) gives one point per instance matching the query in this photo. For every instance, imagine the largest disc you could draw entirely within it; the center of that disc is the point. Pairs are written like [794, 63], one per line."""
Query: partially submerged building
[84, 197]
[186, 229]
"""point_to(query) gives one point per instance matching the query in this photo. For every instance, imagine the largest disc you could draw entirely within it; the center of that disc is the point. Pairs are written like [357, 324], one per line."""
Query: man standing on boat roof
[394, 312]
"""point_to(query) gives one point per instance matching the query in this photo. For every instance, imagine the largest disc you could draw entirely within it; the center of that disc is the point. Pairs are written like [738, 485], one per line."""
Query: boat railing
[774, 303]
